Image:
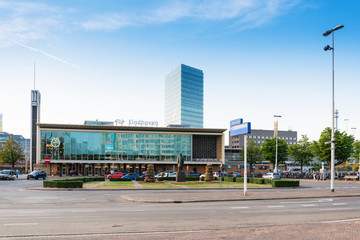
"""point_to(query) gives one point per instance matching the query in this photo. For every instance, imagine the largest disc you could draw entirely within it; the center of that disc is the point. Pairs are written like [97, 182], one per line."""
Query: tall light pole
[346, 120]
[276, 136]
[326, 48]
[353, 128]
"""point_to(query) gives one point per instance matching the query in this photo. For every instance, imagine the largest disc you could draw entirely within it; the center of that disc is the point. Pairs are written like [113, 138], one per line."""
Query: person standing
[17, 173]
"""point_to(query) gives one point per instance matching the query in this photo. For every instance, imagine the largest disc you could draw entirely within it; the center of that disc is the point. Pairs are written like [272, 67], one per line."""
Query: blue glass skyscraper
[184, 97]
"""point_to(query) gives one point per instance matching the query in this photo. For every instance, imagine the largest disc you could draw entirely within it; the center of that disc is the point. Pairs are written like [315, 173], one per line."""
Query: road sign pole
[245, 164]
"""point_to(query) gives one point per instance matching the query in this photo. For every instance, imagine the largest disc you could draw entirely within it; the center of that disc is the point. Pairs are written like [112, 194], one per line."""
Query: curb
[152, 189]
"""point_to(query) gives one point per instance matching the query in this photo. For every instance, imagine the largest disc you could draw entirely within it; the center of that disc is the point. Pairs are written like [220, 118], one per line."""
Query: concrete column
[60, 170]
[101, 170]
[93, 169]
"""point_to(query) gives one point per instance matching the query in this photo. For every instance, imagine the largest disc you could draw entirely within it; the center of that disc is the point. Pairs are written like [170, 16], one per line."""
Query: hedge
[268, 181]
[140, 179]
[256, 180]
[191, 179]
[71, 182]
[83, 179]
[120, 179]
[229, 179]
[166, 179]
[285, 183]
[63, 184]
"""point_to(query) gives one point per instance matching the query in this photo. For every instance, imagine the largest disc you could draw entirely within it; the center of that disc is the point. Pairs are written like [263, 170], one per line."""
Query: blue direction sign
[240, 129]
[236, 122]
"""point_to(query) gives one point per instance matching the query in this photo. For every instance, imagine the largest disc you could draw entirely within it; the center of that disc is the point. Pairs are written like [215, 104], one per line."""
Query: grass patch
[117, 185]
[89, 184]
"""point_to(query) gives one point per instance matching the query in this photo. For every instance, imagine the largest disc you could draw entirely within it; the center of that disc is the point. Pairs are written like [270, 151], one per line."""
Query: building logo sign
[132, 122]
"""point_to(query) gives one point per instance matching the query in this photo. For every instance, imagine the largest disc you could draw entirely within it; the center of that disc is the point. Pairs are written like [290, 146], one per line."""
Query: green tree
[268, 150]
[150, 175]
[343, 146]
[302, 152]
[253, 153]
[356, 153]
[10, 152]
[209, 177]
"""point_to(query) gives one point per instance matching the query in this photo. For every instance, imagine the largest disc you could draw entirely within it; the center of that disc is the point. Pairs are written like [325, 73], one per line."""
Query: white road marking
[333, 209]
[278, 206]
[309, 205]
[315, 201]
[239, 207]
[132, 210]
[83, 211]
[344, 220]
[337, 204]
[20, 224]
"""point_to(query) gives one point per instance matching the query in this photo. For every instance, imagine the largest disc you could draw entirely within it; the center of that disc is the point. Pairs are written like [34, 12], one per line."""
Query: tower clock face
[55, 142]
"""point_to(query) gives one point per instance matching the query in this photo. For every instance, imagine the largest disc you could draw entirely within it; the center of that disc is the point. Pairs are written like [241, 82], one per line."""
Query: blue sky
[108, 59]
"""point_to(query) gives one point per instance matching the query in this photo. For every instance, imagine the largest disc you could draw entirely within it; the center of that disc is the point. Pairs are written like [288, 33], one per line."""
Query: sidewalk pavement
[219, 195]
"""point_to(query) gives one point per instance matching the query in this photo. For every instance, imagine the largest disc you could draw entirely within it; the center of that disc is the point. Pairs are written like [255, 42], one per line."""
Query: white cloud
[23, 21]
[252, 12]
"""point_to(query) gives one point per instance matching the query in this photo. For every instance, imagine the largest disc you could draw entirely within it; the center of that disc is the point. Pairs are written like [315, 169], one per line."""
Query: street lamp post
[276, 137]
[326, 48]
[346, 120]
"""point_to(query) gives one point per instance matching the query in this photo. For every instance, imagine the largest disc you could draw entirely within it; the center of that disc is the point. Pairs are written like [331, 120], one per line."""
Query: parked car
[234, 174]
[272, 175]
[115, 175]
[131, 175]
[37, 175]
[8, 175]
[192, 174]
[215, 174]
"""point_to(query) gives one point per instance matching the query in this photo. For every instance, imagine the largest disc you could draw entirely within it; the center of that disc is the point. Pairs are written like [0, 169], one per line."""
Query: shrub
[191, 179]
[256, 180]
[209, 177]
[268, 181]
[166, 179]
[285, 183]
[120, 179]
[63, 184]
[140, 179]
[229, 179]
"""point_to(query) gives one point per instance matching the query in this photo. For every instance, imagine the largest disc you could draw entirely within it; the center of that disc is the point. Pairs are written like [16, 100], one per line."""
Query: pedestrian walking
[314, 175]
[17, 173]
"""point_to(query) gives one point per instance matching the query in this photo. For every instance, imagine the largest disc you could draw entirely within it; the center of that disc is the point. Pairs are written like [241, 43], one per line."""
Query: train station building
[99, 149]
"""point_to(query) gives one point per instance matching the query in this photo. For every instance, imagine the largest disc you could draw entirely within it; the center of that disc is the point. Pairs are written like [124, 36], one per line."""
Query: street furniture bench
[353, 177]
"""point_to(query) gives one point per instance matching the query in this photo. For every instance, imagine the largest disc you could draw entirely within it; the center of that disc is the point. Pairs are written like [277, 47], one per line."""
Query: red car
[115, 175]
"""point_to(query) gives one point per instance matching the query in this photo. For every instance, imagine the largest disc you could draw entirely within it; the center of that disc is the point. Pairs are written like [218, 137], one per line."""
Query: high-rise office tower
[184, 97]
[35, 118]
[1, 122]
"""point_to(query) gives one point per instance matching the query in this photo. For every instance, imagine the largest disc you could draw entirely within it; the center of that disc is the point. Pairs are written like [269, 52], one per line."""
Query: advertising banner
[276, 129]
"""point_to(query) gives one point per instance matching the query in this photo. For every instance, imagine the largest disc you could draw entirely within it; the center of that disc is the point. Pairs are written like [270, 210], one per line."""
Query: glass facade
[114, 146]
[184, 97]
